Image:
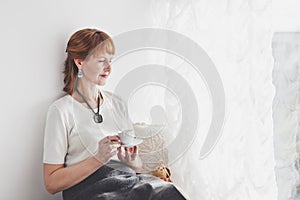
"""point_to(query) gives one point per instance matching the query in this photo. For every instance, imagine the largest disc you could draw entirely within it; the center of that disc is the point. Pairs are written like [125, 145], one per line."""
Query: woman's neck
[88, 90]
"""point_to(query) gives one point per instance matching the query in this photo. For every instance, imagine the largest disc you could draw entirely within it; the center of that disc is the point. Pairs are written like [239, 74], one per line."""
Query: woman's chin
[101, 82]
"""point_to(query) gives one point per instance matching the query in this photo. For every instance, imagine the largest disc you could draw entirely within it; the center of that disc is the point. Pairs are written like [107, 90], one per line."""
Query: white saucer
[133, 142]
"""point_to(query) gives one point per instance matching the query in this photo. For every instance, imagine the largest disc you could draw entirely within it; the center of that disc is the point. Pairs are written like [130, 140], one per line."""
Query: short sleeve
[55, 137]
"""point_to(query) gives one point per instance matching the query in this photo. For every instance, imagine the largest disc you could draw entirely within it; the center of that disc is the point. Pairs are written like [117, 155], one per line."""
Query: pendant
[98, 118]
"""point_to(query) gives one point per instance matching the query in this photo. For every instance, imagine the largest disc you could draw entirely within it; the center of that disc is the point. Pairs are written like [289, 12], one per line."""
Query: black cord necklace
[97, 116]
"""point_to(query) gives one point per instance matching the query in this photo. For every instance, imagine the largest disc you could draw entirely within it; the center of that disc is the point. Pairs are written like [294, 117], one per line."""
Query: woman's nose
[107, 63]
[107, 66]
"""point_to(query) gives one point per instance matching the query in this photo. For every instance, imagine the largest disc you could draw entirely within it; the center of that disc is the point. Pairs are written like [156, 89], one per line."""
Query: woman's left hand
[131, 157]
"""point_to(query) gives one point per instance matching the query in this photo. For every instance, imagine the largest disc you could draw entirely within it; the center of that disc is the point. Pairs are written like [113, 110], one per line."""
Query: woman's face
[96, 67]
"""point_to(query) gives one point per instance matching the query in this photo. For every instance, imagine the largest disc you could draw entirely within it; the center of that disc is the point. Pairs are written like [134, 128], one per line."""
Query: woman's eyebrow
[107, 57]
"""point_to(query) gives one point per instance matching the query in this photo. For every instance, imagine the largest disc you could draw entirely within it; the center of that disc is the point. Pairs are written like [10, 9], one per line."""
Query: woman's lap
[118, 181]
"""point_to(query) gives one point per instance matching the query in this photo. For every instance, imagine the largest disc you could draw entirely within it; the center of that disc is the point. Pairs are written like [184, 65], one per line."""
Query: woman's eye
[102, 61]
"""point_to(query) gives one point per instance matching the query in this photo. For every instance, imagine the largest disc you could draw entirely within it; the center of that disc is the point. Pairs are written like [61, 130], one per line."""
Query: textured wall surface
[286, 78]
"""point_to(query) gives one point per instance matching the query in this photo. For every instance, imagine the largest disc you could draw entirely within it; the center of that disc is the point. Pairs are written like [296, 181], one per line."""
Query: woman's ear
[78, 62]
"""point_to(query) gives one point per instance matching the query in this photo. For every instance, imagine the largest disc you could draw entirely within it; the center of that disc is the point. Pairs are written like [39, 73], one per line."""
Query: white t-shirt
[71, 134]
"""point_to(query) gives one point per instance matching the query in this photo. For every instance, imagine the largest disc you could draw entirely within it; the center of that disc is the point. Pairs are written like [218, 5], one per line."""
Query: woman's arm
[58, 178]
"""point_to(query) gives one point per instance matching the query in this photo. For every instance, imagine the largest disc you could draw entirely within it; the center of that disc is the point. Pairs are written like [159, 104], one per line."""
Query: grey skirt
[117, 181]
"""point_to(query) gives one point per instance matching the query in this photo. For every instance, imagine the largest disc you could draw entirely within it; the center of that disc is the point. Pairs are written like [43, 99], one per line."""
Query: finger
[111, 150]
[104, 140]
[114, 147]
[119, 149]
[120, 155]
[127, 155]
[113, 153]
[135, 149]
[127, 150]
[135, 153]
[132, 149]
[114, 138]
[115, 142]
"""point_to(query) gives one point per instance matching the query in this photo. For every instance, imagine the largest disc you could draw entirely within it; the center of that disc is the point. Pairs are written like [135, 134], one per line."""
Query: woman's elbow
[51, 191]
[51, 188]
[51, 182]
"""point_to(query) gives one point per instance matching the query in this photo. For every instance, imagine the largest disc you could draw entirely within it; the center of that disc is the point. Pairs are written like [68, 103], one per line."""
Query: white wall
[286, 15]
[33, 39]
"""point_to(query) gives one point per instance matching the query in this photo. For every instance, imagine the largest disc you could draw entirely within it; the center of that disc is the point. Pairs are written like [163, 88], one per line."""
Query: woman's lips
[104, 75]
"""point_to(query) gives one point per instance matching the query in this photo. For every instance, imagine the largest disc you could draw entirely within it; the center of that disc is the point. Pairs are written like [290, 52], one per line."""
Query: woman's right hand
[107, 148]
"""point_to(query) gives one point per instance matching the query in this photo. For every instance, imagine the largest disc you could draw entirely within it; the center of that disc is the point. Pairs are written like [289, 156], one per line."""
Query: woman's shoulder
[62, 103]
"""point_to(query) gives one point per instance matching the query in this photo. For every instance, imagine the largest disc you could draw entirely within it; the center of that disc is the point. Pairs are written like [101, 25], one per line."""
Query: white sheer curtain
[237, 36]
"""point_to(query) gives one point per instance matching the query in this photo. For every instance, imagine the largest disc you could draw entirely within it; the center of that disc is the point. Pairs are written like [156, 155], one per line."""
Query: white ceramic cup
[125, 137]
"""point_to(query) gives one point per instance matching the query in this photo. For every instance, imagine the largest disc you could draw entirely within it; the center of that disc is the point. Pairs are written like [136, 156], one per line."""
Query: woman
[83, 156]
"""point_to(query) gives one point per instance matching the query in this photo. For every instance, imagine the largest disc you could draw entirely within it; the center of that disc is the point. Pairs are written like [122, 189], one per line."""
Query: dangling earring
[80, 74]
